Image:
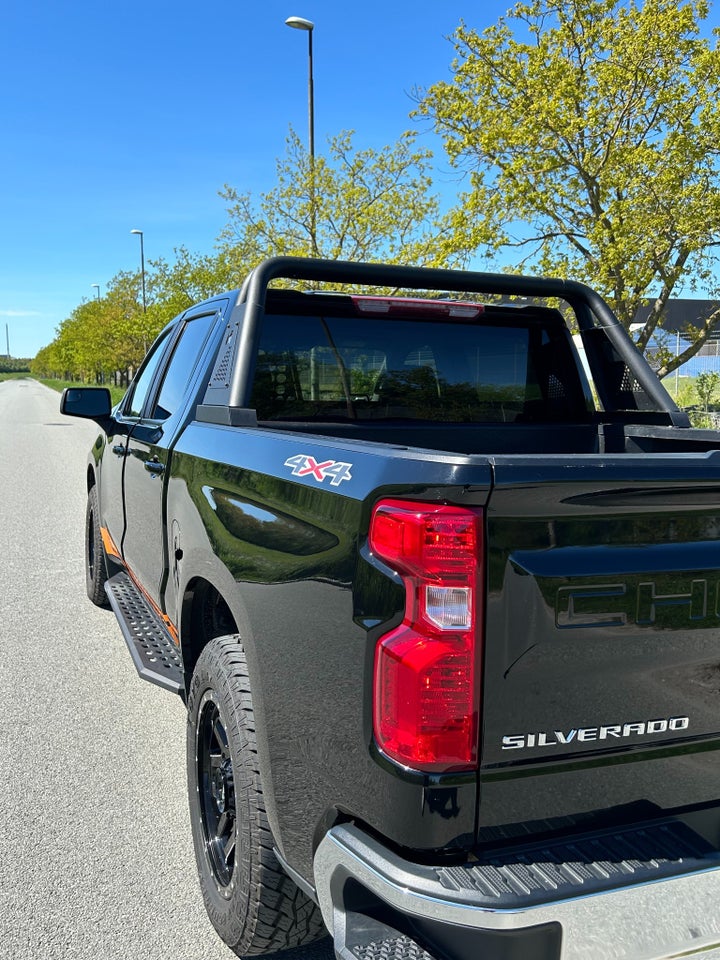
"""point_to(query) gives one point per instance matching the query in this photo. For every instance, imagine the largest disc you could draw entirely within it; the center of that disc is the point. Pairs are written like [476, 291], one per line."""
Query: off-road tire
[252, 903]
[95, 567]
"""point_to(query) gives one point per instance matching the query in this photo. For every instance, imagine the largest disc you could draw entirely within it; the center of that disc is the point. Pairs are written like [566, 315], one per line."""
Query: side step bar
[155, 654]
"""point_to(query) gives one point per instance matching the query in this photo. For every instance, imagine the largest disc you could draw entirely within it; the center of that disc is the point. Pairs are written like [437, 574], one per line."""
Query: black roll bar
[589, 308]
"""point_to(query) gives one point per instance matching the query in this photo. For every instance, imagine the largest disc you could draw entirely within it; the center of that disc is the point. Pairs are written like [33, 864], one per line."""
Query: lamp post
[96, 286]
[300, 23]
[142, 266]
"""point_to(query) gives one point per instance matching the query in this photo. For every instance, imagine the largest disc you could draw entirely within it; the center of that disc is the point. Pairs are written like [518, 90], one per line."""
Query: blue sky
[114, 117]
[134, 115]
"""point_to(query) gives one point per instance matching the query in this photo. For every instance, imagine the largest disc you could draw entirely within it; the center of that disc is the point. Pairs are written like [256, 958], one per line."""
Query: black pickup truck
[440, 585]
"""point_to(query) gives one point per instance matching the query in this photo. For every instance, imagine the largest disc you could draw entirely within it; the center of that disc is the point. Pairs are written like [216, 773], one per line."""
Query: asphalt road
[96, 859]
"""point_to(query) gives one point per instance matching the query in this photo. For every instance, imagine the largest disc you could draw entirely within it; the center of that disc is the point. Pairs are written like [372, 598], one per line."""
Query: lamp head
[299, 23]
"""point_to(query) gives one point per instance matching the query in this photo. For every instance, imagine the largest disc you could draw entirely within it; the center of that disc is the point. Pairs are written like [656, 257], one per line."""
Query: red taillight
[426, 684]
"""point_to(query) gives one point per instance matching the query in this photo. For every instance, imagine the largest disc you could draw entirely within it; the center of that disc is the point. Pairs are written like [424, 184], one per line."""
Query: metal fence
[706, 360]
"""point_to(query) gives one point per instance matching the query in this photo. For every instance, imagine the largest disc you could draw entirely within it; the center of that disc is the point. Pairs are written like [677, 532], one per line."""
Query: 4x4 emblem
[304, 465]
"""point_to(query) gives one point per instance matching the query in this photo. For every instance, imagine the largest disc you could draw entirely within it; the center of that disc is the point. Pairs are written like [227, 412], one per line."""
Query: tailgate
[601, 684]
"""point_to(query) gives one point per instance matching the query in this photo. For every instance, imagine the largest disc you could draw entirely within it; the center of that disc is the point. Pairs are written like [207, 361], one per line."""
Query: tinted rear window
[366, 368]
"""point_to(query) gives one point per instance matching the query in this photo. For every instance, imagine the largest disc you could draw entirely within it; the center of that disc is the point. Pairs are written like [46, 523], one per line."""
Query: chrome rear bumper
[672, 916]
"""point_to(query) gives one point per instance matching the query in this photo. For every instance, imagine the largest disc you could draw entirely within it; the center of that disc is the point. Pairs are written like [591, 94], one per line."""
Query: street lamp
[97, 290]
[300, 23]
[142, 265]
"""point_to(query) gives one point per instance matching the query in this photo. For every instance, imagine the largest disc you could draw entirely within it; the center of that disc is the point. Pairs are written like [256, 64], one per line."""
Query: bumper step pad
[155, 654]
[393, 948]
[367, 938]
[558, 869]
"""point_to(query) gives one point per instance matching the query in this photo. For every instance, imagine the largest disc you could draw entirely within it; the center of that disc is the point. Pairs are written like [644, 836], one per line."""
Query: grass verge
[116, 393]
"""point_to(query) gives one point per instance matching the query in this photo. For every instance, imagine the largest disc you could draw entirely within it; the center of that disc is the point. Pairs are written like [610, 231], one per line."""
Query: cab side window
[140, 387]
[182, 365]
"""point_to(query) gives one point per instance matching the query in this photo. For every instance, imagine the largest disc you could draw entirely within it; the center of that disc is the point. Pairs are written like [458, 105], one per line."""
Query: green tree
[101, 336]
[706, 387]
[354, 204]
[44, 362]
[129, 329]
[190, 278]
[14, 365]
[590, 130]
[351, 205]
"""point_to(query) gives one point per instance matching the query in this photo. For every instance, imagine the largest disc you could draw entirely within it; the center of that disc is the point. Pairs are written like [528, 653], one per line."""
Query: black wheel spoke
[221, 737]
[217, 793]
[223, 823]
[229, 848]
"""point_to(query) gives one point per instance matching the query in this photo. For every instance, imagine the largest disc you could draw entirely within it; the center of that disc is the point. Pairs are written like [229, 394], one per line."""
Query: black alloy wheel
[216, 783]
[95, 569]
[252, 903]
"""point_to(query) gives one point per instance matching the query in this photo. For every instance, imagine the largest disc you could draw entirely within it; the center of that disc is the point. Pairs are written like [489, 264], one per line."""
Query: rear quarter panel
[288, 552]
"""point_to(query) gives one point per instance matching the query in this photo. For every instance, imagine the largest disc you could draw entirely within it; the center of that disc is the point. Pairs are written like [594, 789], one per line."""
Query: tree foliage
[706, 386]
[189, 279]
[349, 205]
[591, 130]
[14, 365]
[101, 336]
[352, 204]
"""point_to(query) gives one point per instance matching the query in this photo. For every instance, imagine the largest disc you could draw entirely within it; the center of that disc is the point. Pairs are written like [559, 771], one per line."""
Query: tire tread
[268, 911]
[95, 576]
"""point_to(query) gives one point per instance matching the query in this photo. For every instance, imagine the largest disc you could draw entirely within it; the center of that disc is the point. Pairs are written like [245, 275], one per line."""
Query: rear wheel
[95, 569]
[254, 906]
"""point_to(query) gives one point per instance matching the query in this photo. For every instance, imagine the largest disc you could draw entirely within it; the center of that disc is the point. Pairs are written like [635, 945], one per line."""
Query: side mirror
[91, 403]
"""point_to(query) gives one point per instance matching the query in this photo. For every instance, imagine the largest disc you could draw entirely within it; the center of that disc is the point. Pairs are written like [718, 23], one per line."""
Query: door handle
[119, 450]
[154, 467]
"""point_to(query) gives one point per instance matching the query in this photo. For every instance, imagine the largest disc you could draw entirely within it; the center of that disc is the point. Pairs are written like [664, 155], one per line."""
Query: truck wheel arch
[199, 595]
[252, 903]
[205, 615]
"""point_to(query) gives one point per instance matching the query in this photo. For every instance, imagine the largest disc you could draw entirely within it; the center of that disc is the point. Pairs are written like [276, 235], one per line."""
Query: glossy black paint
[144, 541]
[130, 467]
[289, 556]
[314, 604]
[569, 536]
[603, 610]
[109, 467]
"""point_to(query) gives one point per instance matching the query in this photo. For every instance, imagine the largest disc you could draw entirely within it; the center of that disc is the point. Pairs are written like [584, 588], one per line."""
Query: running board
[156, 656]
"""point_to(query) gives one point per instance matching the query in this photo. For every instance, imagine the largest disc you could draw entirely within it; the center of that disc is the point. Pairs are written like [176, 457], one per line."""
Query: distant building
[681, 312]
[678, 315]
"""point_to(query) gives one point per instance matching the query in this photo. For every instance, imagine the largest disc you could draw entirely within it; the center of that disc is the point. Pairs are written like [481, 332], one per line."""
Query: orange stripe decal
[169, 625]
[112, 551]
[109, 544]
